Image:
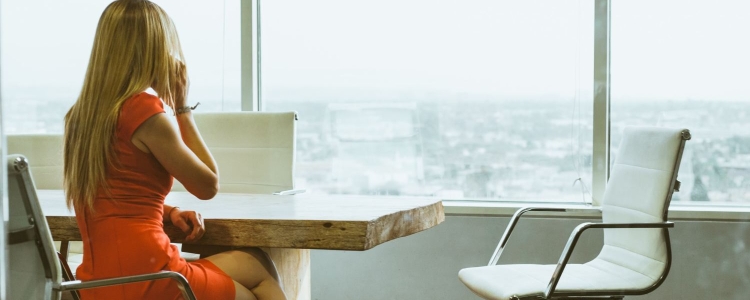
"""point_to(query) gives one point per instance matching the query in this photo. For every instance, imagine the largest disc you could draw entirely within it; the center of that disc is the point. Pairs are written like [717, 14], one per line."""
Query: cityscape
[525, 150]
[522, 150]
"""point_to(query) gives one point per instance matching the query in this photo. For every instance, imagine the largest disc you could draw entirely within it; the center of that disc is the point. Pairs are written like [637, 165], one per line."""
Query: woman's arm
[192, 138]
[168, 210]
[191, 164]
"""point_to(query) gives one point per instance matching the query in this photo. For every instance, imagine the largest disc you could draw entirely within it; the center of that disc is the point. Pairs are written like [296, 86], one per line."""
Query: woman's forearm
[192, 138]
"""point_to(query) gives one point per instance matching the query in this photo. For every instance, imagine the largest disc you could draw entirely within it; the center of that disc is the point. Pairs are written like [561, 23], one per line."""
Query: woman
[121, 155]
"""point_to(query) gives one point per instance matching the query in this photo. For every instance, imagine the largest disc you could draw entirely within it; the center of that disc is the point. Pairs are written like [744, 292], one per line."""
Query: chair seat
[188, 256]
[504, 281]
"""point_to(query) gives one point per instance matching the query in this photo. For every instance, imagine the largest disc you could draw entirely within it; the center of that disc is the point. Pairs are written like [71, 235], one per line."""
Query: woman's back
[124, 233]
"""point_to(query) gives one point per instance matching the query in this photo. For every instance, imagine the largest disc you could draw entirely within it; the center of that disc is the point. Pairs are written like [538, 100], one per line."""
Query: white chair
[45, 153]
[35, 271]
[254, 150]
[636, 256]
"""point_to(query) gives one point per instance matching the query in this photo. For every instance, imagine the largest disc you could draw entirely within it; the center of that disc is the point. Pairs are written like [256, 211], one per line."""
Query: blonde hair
[135, 47]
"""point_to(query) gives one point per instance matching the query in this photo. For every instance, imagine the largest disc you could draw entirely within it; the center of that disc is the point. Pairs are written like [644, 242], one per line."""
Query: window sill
[579, 210]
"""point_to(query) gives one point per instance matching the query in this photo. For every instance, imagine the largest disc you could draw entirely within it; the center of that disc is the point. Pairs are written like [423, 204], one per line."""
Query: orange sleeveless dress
[125, 236]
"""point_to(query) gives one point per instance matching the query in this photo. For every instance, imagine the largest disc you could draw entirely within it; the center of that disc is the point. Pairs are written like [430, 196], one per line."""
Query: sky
[664, 49]
[47, 43]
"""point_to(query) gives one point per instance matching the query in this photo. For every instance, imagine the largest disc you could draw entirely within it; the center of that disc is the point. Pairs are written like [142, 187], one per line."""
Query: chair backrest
[639, 190]
[255, 151]
[34, 266]
[44, 152]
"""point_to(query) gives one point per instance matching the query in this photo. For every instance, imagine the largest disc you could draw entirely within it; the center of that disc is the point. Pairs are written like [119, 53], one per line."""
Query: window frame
[251, 101]
[601, 125]
[250, 55]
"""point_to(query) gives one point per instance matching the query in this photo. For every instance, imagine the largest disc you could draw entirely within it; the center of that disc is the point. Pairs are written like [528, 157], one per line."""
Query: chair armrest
[182, 283]
[512, 224]
[576, 234]
[290, 192]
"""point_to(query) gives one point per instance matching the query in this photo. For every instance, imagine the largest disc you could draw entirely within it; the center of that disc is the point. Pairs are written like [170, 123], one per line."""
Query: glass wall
[685, 64]
[46, 47]
[487, 100]
[483, 100]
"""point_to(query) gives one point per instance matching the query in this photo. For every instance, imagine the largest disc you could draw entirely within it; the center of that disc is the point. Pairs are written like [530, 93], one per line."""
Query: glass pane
[46, 47]
[478, 99]
[684, 64]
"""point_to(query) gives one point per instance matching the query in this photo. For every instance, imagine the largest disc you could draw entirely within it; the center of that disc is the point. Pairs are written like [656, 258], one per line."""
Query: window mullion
[601, 134]
[250, 55]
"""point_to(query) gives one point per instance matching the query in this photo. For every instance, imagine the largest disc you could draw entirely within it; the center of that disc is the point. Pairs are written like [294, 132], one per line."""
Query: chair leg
[64, 249]
[66, 272]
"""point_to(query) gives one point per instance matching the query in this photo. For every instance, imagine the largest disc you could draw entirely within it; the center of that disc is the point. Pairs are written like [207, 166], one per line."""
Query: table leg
[293, 266]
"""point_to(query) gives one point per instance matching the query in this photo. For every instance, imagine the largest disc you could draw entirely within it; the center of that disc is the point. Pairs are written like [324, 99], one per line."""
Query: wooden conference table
[285, 226]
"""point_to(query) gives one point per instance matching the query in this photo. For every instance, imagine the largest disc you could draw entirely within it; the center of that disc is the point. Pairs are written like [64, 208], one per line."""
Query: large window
[686, 64]
[479, 99]
[46, 46]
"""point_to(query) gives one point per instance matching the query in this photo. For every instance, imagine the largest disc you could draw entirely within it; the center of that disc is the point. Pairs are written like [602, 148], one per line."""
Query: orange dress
[125, 236]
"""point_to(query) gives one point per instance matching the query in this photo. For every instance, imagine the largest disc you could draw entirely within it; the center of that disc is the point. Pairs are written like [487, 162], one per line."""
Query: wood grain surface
[271, 221]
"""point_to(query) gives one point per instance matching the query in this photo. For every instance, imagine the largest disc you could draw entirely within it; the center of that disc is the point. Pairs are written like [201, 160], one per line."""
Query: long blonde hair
[135, 47]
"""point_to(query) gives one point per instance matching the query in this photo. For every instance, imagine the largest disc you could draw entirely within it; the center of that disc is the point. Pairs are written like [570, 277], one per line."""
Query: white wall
[711, 260]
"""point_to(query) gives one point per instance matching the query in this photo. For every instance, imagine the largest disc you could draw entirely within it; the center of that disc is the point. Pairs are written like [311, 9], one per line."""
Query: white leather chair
[35, 271]
[253, 150]
[45, 153]
[636, 255]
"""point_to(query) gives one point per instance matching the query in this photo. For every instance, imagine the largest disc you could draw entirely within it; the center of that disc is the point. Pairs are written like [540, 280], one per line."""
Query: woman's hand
[180, 85]
[190, 222]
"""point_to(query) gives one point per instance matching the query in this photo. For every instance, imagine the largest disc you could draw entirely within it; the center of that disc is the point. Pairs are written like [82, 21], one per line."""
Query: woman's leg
[242, 293]
[252, 269]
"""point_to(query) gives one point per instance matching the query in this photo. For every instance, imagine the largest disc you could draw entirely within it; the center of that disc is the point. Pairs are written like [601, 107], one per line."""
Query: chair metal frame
[38, 231]
[576, 234]
[50, 156]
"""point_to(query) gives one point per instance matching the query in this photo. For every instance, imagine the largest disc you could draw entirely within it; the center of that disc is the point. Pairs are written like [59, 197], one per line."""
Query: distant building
[376, 147]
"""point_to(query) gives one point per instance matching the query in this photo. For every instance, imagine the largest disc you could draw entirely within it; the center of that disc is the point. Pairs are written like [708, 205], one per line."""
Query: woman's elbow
[211, 191]
[208, 190]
